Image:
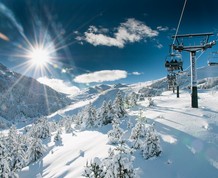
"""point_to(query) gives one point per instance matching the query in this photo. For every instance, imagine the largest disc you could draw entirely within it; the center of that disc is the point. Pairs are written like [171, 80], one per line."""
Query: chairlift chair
[213, 62]
[174, 62]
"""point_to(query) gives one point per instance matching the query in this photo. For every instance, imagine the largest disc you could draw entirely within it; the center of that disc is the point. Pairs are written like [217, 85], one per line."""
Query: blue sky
[95, 41]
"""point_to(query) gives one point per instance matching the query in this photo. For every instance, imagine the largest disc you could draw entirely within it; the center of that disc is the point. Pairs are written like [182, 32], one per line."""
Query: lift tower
[192, 50]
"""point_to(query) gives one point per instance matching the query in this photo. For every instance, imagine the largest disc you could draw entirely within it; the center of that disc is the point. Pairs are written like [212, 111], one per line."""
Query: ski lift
[174, 62]
[171, 78]
[213, 62]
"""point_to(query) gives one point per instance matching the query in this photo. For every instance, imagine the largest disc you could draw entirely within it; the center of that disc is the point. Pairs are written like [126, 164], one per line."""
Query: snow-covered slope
[23, 97]
[207, 78]
[189, 140]
[189, 136]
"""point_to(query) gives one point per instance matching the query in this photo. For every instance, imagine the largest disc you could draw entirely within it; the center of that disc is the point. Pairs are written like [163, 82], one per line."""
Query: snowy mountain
[188, 139]
[24, 97]
[75, 142]
[207, 78]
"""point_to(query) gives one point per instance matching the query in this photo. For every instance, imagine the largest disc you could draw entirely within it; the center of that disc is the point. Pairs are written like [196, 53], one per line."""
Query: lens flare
[39, 57]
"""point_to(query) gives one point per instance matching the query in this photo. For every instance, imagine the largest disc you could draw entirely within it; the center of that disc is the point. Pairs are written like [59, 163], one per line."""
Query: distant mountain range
[25, 97]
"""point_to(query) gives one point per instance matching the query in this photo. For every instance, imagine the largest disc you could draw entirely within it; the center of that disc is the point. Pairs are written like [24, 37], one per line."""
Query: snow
[69, 159]
[188, 136]
[189, 141]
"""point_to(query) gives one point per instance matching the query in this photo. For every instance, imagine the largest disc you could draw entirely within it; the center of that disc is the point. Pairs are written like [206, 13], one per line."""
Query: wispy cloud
[9, 14]
[101, 76]
[59, 85]
[160, 28]
[128, 32]
[137, 73]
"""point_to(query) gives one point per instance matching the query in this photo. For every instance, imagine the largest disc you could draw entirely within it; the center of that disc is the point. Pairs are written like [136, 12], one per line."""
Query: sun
[39, 57]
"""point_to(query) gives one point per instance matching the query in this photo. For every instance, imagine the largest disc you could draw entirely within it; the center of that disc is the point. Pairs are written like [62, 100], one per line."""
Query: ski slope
[189, 141]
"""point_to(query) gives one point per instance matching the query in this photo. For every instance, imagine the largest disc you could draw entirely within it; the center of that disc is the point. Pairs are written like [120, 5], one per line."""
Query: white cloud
[136, 73]
[59, 85]
[100, 39]
[101, 76]
[159, 46]
[160, 28]
[128, 32]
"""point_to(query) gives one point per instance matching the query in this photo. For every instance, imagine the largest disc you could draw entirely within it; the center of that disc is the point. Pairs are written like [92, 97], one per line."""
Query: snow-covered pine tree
[138, 132]
[5, 170]
[17, 161]
[119, 164]
[41, 129]
[89, 117]
[105, 114]
[94, 169]
[133, 99]
[35, 150]
[57, 137]
[115, 135]
[150, 102]
[44, 128]
[78, 120]
[127, 103]
[15, 151]
[151, 146]
[111, 112]
[12, 139]
[68, 125]
[119, 105]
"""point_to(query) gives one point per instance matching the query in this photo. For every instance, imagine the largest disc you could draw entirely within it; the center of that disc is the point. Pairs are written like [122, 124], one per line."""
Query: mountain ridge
[22, 96]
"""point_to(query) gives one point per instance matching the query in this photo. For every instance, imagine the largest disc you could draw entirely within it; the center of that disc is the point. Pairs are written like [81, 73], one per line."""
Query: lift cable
[180, 19]
[202, 52]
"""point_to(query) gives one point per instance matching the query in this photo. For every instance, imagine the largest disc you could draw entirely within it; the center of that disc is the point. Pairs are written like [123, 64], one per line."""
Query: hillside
[24, 97]
[188, 136]
[189, 140]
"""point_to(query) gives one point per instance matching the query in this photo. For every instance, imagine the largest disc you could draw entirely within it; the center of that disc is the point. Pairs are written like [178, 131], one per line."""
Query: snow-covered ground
[189, 141]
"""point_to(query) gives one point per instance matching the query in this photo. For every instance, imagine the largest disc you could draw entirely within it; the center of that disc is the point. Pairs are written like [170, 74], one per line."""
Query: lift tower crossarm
[194, 48]
[202, 47]
[192, 35]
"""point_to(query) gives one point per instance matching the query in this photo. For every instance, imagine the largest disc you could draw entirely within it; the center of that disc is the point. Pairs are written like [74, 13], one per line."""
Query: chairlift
[171, 78]
[213, 62]
[174, 62]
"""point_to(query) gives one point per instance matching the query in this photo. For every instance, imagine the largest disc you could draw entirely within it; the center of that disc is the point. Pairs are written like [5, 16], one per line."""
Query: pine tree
[94, 170]
[18, 160]
[105, 114]
[127, 103]
[57, 138]
[133, 99]
[15, 152]
[119, 164]
[41, 129]
[89, 117]
[138, 132]
[35, 150]
[151, 146]
[5, 170]
[111, 112]
[119, 105]
[44, 128]
[115, 135]
[68, 125]
[150, 102]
